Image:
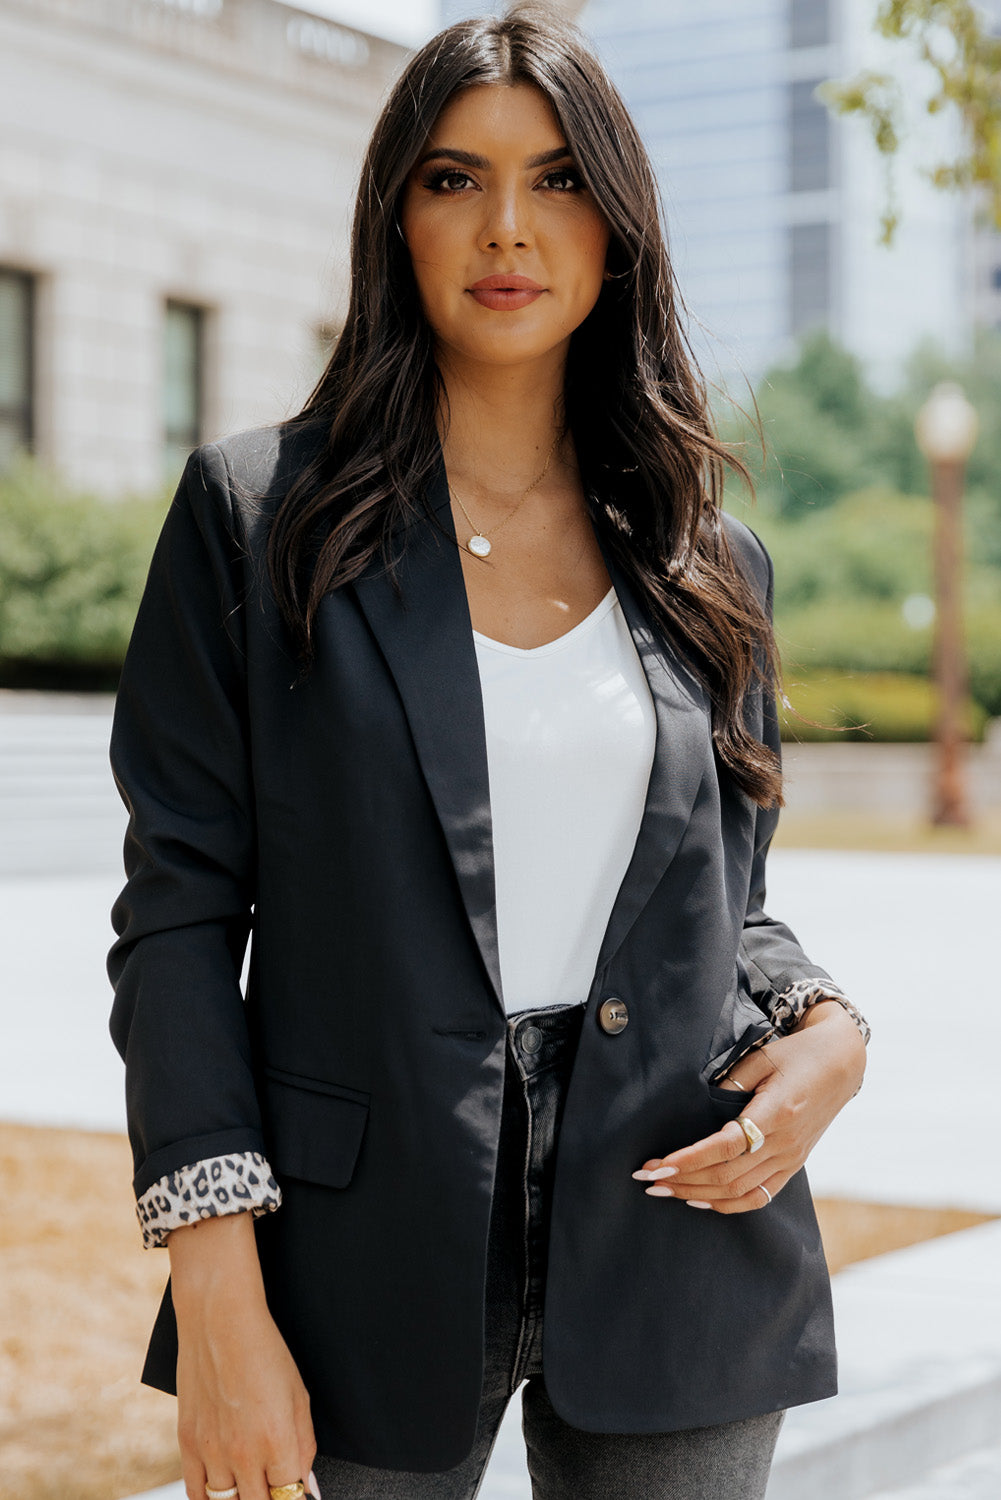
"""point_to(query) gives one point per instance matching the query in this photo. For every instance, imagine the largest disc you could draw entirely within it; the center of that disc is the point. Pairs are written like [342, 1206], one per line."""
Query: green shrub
[72, 569]
[865, 706]
[843, 577]
[858, 635]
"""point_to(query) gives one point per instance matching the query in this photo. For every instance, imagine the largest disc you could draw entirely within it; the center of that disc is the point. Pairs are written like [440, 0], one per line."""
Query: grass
[78, 1296]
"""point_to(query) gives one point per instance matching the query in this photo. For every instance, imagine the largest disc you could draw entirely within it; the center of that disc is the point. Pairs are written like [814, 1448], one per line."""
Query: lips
[503, 282]
[504, 292]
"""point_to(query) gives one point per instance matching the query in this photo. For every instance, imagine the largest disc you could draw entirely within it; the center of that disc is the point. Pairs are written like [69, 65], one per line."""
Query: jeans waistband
[538, 1037]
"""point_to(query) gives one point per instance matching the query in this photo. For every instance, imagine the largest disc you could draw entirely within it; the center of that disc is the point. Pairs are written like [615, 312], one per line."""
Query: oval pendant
[479, 546]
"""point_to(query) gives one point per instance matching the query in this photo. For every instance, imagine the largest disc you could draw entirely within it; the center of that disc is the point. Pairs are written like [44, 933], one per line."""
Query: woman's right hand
[242, 1410]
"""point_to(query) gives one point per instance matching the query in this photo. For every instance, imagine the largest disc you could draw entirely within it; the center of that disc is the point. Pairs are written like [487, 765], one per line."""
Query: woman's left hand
[800, 1082]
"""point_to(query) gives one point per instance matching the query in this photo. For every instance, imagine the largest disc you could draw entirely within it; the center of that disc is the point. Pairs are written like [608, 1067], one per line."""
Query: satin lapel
[682, 755]
[426, 638]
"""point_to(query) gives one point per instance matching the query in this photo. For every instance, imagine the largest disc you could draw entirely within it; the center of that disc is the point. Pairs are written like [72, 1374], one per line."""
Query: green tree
[822, 427]
[827, 433]
[843, 505]
[955, 39]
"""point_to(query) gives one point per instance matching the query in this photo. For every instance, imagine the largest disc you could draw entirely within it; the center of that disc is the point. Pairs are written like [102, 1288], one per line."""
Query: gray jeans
[729, 1462]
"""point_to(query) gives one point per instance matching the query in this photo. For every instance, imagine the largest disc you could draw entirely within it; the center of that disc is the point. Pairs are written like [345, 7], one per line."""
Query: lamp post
[946, 430]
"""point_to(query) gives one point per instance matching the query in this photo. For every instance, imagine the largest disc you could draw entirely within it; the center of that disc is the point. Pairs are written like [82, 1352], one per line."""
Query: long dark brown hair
[635, 403]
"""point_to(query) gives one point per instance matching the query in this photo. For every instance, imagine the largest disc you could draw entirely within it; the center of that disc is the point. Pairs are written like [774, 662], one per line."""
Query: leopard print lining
[793, 1003]
[207, 1189]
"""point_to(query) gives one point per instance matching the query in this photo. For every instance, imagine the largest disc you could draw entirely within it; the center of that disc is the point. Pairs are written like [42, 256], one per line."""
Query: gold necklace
[478, 544]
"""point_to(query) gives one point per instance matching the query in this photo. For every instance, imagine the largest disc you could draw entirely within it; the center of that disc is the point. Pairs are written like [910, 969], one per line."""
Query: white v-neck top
[570, 731]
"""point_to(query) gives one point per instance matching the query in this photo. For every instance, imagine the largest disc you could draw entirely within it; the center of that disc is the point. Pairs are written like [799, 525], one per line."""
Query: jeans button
[531, 1039]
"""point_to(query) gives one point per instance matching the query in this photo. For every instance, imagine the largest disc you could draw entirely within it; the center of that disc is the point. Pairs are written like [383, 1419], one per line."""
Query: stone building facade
[176, 185]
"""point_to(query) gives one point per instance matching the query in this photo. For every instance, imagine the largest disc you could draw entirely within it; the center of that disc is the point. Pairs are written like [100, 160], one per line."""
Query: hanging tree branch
[952, 36]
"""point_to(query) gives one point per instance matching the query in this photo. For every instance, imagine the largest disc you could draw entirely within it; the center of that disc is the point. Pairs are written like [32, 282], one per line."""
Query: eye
[564, 180]
[447, 180]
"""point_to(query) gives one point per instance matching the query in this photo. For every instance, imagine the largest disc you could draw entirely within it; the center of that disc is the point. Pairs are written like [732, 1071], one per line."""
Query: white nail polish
[695, 1203]
[663, 1172]
[643, 1175]
[660, 1192]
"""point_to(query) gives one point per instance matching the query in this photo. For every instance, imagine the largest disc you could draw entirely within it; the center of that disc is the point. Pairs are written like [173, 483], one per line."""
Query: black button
[613, 1016]
[531, 1039]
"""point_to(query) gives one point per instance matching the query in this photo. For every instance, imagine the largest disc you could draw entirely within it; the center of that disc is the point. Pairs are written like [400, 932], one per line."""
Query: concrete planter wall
[895, 779]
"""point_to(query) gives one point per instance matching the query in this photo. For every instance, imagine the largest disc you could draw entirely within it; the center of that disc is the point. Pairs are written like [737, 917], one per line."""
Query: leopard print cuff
[789, 1008]
[240, 1183]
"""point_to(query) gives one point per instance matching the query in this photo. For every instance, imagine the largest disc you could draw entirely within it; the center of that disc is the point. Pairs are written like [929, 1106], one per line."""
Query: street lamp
[946, 430]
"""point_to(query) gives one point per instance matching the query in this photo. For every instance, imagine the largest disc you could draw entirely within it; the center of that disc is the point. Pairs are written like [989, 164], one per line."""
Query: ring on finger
[229, 1494]
[294, 1491]
[754, 1137]
[767, 1194]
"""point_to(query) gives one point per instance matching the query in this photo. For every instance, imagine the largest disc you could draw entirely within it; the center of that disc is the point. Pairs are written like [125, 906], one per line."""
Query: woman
[458, 688]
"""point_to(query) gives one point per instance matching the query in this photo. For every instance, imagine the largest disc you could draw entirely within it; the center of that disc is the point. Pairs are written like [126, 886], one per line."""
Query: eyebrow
[472, 159]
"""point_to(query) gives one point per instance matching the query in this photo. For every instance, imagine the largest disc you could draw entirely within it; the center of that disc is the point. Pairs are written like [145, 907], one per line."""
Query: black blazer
[346, 820]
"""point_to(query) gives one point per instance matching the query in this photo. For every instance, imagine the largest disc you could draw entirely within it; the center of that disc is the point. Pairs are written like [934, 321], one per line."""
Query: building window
[183, 377]
[809, 23]
[809, 276]
[809, 140]
[16, 363]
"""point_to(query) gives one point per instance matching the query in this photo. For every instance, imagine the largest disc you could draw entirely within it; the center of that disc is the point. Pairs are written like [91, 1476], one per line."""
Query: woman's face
[496, 195]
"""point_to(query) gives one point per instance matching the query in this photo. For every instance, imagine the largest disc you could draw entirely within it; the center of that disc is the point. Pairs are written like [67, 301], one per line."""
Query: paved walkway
[911, 937]
[977, 1476]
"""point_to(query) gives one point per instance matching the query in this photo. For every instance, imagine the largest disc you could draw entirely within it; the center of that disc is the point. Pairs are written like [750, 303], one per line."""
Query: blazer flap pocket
[314, 1130]
[754, 1035]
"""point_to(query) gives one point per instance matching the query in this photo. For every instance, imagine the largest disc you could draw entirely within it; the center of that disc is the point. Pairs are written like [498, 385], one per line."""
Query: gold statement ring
[287, 1491]
[754, 1137]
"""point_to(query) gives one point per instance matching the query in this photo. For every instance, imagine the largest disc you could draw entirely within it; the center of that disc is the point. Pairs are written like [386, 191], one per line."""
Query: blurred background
[176, 185]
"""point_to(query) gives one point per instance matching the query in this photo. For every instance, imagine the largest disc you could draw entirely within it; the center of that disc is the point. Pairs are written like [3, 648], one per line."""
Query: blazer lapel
[426, 637]
[682, 755]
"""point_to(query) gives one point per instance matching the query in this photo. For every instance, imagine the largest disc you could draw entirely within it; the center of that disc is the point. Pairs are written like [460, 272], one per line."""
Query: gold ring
[287, 1491]
[229, 1494]
[753, 1136]
[767, 1194]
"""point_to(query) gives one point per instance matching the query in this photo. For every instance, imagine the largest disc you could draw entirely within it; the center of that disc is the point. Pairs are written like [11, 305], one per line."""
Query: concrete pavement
[912, 938]
[919, 1409]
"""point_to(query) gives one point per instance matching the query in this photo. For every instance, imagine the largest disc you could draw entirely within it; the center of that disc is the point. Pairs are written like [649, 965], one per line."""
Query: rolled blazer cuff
[789, 1007]
[181, 1154]
[239, 1182]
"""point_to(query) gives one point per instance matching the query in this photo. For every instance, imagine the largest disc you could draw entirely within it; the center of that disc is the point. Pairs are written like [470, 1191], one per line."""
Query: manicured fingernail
[660, 1192]
[314, 1488]
[654, 1173]
[694, 1203]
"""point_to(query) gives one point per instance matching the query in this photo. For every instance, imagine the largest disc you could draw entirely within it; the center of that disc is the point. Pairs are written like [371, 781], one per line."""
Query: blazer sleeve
[784, 981]
[180, 755]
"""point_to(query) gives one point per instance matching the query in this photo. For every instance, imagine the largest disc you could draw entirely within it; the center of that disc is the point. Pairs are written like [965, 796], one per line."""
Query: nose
[506, 221]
